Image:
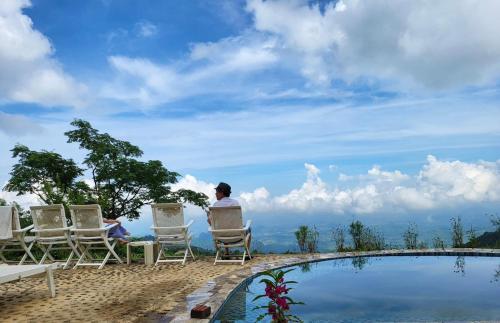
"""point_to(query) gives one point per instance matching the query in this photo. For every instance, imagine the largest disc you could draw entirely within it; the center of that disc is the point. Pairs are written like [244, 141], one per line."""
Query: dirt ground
[116, 293]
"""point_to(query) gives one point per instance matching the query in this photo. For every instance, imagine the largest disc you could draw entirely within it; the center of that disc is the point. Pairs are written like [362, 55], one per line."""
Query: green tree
[410, 236]
[457, 233]
[52, 178]
[338, 236]
[473, 239]
[438, 243]
[356, 229]
[301, 235]
[122, 184]
[312, 240]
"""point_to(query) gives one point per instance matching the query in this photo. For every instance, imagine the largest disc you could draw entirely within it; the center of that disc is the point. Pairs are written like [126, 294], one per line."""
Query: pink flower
[281, 301]
[271, 309]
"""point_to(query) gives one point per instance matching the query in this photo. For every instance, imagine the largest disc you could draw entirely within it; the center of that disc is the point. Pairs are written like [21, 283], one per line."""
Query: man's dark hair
[224, 188]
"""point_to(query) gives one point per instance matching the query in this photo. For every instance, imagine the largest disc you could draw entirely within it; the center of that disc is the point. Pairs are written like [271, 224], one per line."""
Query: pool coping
[216, 292]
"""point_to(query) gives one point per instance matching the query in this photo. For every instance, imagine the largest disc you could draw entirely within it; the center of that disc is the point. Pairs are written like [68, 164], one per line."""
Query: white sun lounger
[52, 231]
[228, 231]
[10, 273]
[91, 233]
[169, 228]
[17, 240]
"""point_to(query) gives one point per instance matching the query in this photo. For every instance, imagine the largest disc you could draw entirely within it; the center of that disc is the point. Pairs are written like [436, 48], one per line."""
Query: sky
[307, 108]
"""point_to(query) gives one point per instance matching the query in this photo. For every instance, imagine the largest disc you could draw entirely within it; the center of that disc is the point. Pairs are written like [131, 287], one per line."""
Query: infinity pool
[427, 288]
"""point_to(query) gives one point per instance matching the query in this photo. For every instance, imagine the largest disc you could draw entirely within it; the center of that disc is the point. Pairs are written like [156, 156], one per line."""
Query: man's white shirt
[226, 201]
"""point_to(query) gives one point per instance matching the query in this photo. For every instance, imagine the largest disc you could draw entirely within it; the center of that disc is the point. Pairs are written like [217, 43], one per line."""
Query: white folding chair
[170, 231]
[19, 241]
[91, 233]
[228, 232]
[52, 232]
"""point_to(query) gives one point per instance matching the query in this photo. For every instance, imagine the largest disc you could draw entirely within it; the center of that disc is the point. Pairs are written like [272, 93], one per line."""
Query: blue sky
[332, 108]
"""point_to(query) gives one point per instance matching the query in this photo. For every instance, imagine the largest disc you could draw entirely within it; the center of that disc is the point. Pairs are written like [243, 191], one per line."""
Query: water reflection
[460, 265]
[496, 276]
[386, 288]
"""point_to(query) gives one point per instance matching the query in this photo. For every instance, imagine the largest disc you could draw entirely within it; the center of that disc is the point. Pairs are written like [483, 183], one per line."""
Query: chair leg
[105, 260]
[244, 255]
[82, 256]
[27, 252]
[248, 252]
[68, 261]
[1, 254]
[160, 251]
[50, 282]
[72, 246]
[191, 251]
[46, 253]
[185, 257]
[216, 257]
[112, 249]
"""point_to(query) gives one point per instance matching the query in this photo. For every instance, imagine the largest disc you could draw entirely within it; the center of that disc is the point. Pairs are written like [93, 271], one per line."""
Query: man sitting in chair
[222, 193]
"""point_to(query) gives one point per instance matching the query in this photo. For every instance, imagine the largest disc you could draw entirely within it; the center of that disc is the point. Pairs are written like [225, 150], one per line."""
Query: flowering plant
[276, 291]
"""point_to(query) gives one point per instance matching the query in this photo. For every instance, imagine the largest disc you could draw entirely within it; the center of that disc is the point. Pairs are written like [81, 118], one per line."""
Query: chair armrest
[178, 227]
[247, 226]
[111, 225]
[227, 230]
[189, 223]
[90, 230]
[29, 227]
[52, 230]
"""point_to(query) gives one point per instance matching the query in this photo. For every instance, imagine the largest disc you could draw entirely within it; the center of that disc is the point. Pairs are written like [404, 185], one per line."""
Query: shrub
[356, 229]
[438, 243]
[457, 233]
[301, 236]
[365, 239]
[338, 235]
[410, 236]
[472, 236]
[312, 240]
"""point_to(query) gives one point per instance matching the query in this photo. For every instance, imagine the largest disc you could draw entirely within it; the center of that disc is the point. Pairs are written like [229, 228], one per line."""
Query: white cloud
[146, 29]
[435, 44]
[25, 201]
[439, 184]
[219, 67]
[29, 72]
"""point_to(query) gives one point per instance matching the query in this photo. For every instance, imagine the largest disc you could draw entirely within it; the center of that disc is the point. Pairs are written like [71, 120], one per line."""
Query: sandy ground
[117, 293]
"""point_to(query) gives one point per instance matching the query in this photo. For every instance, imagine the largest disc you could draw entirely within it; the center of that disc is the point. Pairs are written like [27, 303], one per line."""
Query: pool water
[403, 288]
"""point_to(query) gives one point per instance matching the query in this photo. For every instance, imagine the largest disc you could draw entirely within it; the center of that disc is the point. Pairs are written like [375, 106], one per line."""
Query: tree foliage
[46, 174]
[120, 182]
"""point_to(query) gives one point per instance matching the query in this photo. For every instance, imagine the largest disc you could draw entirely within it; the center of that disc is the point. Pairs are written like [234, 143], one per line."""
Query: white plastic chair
[52, 231]
[91, 233]
[228, 232]
[169, 228]
[19, 241]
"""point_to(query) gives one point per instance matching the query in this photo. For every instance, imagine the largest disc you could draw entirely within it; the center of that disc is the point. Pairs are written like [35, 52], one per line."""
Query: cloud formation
[435, 44]
[439, 184]
[29, 72]
[219, 67]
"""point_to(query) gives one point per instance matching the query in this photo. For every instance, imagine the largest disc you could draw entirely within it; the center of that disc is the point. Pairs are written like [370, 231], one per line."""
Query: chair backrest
[49, 217]
[226, 217]
[168, 215]
[16, 224]
[87, 217]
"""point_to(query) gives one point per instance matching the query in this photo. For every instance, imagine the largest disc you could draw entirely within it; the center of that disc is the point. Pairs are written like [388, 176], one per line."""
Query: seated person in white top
[222, 193]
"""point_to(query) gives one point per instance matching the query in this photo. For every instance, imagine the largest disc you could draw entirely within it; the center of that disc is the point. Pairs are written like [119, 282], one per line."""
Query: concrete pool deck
[166, 293]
